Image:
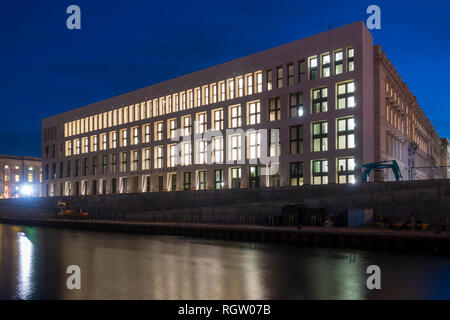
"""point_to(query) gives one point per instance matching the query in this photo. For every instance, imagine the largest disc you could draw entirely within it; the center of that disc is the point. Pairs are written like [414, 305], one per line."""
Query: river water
[33, 264]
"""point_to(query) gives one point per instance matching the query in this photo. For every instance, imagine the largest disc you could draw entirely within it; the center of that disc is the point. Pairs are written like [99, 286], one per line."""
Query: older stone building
[307, 112]
[20, 176]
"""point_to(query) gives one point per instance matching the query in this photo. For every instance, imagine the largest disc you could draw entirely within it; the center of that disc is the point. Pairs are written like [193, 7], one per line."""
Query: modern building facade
[20, 176]
[307, 112]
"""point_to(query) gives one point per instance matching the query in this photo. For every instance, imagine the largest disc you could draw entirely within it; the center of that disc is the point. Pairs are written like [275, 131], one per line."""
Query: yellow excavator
[63, 211]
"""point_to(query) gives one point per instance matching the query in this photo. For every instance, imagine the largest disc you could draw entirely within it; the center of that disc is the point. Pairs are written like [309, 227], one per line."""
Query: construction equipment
[386, 164]
[63, 211]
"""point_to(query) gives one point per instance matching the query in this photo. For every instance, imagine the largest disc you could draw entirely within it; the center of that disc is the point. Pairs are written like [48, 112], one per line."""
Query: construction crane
[386, 164]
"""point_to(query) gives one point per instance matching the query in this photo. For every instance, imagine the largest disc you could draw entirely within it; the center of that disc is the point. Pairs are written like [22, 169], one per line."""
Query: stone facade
[333, 98]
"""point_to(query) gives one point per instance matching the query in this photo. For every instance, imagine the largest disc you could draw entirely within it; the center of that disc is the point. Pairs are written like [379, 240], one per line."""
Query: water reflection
[33, 264]
[25, 262]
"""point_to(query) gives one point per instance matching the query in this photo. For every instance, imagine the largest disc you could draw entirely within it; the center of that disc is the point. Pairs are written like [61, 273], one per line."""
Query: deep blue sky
[126, 45]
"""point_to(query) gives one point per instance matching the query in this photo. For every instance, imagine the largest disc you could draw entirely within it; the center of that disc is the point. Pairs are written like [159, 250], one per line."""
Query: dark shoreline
[368, 239]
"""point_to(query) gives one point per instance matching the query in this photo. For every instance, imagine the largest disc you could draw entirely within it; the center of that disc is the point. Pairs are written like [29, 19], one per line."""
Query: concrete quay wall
[428, 200]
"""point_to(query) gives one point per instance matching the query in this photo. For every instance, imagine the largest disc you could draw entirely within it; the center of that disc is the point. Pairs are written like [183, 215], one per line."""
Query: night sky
[47, 69]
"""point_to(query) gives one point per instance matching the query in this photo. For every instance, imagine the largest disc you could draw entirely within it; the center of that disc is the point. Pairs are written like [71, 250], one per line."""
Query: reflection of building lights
[26, 190]
[25, 266]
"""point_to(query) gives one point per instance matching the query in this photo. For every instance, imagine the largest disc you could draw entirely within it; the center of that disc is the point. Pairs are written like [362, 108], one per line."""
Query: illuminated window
[201, 151]
[68, 148]
[131, 113]
[326, 60]
[183, 101]
[159, 157]
[290, 69]
[135, 132]
[201, 180]
[319, 100]
[338, 62]
[279, 77]
[320, 136]
[240, 82]
[223, 91]
[187, 125]
[146, 156]
[214, 93]
[201, 122]
[269, 80]
[172, 155]
[254, 142]
[274, 109]
[144, 111]
[85, 145]
[218, 179]
[113, 139]
[249, 84]
[296, 105]
[191, 99]
[235, 177]
[230, 88]
[351, 59]
[296, 174]
[319, 172]
[346, 133]
[155, 107]
[16, 178]
[236, 147]
[217, 119]
[172, 124]
[217, 149]
[77, 146]
[313, 66]
[235, 117]
[123, 161]
[199, 97]
[254, 112]
[259, 82]
[146, 130]
[187, 181]
[125, 115]
[346, 95]
[134, 160]
[123, 137]
[94, 143]
[274, 142]
[162, 106]
[206, 95]
[158, 131]
[346, 170]
[104, 141]
[186, 153]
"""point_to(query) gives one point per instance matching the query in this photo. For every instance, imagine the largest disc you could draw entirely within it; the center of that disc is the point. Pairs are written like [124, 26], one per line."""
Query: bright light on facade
[26, 190]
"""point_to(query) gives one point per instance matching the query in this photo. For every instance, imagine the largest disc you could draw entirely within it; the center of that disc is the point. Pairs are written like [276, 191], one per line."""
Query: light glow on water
[24, 284]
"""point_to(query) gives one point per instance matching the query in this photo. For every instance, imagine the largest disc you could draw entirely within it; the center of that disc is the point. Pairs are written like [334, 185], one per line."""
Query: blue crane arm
[381, 165]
